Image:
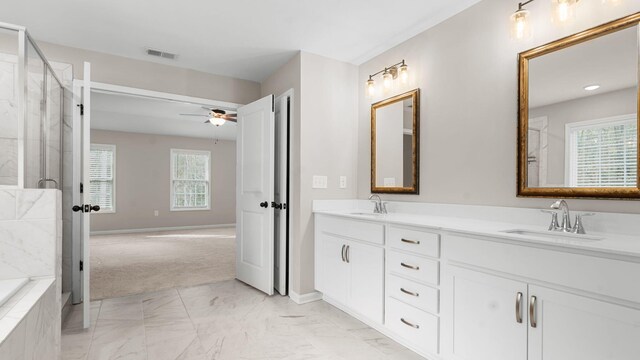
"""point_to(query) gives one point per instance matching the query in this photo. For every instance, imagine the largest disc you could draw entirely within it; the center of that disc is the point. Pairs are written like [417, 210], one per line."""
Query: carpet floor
[127, 264]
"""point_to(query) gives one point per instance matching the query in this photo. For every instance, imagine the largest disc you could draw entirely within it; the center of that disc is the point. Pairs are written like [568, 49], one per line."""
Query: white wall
[466, 68]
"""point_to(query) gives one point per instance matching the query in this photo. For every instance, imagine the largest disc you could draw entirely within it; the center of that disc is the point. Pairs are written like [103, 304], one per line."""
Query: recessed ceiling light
[592, 87]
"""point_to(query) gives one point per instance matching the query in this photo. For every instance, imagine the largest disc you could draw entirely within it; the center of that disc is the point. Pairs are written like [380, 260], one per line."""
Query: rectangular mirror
[394, 144]
[578, 116]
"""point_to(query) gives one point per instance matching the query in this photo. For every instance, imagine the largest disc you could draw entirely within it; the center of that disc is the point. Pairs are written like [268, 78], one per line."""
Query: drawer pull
[415, 242]
[409, 292]
[343, 259]
[410, 324]
[412, 267]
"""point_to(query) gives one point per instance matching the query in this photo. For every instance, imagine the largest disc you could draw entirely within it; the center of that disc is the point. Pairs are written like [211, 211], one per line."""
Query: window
[102, 174]
[603, 153]
[190, 178]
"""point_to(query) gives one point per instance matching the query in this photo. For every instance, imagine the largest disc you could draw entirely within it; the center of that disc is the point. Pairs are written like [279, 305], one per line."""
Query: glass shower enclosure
[31, 114]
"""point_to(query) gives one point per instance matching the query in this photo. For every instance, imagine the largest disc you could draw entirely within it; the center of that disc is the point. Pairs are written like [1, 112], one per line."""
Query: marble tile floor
[225, 320]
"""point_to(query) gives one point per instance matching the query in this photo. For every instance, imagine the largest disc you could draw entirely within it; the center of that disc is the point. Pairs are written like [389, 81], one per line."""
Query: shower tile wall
[35, 83]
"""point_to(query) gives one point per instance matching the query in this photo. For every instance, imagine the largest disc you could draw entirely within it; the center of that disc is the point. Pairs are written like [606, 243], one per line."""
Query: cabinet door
[484, 322]
[575, 327]
[335, 271]
[367, 280]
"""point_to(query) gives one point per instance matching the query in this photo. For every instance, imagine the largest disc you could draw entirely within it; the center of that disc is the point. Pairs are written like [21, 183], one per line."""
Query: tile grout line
[93, 332]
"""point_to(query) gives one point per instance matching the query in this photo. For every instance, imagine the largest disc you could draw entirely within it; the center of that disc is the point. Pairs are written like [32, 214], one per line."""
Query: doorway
[127, 251]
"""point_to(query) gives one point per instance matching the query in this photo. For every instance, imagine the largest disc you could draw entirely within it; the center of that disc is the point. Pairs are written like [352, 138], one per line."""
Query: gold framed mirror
[578, 115]
[394, 144]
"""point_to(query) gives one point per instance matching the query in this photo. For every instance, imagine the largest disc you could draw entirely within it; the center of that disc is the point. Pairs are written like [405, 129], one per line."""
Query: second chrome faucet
[565, 224]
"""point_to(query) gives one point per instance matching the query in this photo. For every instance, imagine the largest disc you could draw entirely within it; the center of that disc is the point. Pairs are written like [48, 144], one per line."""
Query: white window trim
[171, 167]
[570, 171]
[111, 147]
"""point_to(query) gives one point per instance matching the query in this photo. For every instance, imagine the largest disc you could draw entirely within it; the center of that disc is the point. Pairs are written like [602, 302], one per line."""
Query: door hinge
[81, 188]
[81, 265]
[81, 106]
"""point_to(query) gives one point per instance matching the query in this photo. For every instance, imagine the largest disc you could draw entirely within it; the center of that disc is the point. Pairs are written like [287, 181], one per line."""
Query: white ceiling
[247, 39]
[610, 61]
[117, 112]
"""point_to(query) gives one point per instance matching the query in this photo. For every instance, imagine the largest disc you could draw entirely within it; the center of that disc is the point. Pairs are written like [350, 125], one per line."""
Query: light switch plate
[319, 182]
[343, 182]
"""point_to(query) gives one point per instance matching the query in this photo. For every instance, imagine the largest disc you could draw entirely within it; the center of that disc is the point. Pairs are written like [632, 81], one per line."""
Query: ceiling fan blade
[230, 117]
[208, 121]
[194, 115]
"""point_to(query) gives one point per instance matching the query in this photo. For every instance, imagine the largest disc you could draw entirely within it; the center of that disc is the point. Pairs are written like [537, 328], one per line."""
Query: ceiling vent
[162, 54]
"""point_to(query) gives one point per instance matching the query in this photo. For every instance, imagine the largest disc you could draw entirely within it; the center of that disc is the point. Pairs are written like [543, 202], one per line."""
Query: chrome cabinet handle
[415, 242]
[532, 312]
[409, 292]
[519, 308]
[412, 267]
[343, 259]
[347, 253]
[409, 324]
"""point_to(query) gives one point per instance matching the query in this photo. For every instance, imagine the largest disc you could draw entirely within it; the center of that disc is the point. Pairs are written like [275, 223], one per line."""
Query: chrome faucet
[380, 207]
[565, 225]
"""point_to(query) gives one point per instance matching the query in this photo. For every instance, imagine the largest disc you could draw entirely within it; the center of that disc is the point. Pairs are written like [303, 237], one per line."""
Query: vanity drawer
[417, 327]
[414, 267]
[354, 229]
[413, 293]
[419, 242]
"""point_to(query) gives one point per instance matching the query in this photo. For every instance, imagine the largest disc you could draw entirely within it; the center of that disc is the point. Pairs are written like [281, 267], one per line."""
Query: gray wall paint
[466, 68]
[323, 142]
[118, 70]
[615, 103]
[143, 182]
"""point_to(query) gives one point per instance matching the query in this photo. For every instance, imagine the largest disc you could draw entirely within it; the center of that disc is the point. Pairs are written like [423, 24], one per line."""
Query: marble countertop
[607, 244]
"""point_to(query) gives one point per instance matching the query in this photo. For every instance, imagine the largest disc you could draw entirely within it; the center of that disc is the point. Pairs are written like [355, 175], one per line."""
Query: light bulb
[387, 80]
[217, 121]
[371, 87]
[564, 10]
[403, 72]
[520, 28]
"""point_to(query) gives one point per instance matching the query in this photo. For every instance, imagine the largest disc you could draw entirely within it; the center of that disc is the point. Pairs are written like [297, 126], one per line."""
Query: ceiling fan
[215, 117]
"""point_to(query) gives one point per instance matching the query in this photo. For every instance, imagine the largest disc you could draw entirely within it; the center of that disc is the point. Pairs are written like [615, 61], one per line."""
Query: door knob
[95, 208]
[264, 204]
[77, 208]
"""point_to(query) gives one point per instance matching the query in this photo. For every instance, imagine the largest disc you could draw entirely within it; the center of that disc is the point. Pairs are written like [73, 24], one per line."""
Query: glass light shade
[564, 10]
[371, 88]
[387, 80]
[217, 121]
[520, 28]
[403, 73]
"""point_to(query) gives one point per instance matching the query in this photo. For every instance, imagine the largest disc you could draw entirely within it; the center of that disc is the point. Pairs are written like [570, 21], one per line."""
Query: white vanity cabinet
[349, 268]
[491, 311]
[412, 294]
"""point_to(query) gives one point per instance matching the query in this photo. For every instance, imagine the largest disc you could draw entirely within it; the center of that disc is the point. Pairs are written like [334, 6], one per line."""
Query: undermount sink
[365, 214]
[553, 235]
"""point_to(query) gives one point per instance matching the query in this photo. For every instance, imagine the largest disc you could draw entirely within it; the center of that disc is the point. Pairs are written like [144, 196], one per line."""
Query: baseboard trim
[305, 298]
[132, 231]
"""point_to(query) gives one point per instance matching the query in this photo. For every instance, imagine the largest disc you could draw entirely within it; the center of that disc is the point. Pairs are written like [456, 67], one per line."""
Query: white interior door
[255, 194]
[281, 190]
[82, 208]
[86, 200]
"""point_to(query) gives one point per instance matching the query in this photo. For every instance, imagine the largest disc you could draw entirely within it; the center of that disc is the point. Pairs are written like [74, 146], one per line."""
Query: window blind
[604, 154]
[102, 179]
[190, 179]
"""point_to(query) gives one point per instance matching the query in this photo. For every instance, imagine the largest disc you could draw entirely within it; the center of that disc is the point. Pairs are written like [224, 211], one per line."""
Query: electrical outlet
[319, 182]
[156, 213]
[343, 182]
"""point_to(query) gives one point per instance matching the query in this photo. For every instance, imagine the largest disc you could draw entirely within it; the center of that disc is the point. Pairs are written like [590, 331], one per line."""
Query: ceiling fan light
[216, 121]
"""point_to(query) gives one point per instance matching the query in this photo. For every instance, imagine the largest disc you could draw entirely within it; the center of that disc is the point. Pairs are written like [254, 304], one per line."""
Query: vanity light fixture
[520, 21]
[563, 10]
[592, 87]
[389, 75]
